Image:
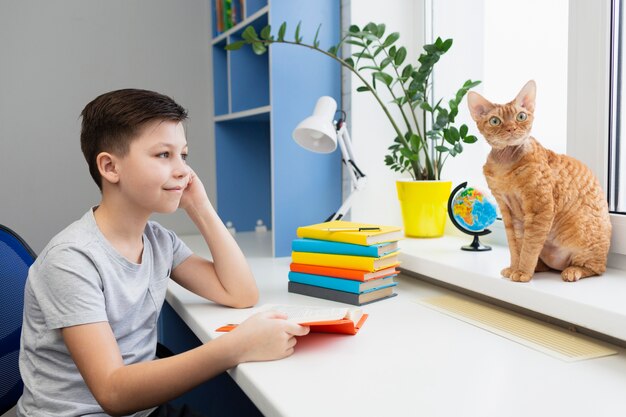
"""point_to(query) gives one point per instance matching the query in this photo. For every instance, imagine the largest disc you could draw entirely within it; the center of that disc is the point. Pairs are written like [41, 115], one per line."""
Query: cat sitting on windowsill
[554, 211]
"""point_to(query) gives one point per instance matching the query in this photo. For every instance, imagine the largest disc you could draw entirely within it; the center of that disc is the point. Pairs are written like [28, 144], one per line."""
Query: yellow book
[362, 263]
[351, 232]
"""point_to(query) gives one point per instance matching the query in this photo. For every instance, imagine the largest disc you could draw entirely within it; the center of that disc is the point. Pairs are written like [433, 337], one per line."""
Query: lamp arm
[345, 143]
[357, 177]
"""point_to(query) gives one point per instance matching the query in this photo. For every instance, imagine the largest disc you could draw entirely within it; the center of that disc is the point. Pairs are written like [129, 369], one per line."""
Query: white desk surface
[407, 360]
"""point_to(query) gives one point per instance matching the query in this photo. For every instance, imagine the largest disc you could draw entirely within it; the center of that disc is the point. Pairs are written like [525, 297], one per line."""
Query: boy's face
[154, 173]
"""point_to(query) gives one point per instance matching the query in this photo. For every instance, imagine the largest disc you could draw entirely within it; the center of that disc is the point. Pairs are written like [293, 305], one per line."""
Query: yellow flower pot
[424, 206]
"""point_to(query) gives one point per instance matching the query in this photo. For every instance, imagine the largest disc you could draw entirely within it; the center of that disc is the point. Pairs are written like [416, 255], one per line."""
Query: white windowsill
[594, 303]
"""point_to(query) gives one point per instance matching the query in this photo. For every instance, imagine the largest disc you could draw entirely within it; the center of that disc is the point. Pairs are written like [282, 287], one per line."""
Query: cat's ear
[478, 105]
[526, 97]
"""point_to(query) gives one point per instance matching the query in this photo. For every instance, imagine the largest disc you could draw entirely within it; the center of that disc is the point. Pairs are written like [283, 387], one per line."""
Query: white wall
[371, 131]
[55, 56]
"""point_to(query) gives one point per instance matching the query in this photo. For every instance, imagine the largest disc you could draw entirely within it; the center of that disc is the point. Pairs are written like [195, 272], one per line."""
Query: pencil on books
[352, 229]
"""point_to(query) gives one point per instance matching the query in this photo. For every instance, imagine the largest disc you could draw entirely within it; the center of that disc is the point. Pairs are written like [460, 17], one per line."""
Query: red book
[353, 274]
[319, 319]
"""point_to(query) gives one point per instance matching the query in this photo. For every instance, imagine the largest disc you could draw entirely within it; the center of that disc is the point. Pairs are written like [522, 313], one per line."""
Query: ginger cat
[554, 211]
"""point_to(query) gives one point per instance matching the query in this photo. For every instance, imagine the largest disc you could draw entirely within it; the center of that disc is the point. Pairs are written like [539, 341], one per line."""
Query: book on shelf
[347, 320]
[341, 284]
[350, 232]
[340, 248]
[341, 296]
[353, 274]
[364, 263]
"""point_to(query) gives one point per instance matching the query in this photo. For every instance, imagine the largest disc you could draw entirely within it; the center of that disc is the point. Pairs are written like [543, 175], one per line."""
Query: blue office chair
[15, 259]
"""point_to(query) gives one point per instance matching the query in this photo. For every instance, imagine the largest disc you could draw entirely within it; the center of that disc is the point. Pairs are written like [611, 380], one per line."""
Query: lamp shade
[317, 133]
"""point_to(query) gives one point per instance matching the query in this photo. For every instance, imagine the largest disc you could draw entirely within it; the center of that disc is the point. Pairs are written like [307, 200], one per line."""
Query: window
[617, 145]
[566, 47]
[594, 86]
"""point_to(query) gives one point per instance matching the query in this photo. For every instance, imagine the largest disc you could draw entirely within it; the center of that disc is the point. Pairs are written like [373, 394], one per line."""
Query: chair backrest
[15, 259]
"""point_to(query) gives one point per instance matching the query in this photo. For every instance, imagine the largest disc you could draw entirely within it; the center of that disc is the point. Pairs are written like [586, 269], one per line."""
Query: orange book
[319, 319]
[353, 274]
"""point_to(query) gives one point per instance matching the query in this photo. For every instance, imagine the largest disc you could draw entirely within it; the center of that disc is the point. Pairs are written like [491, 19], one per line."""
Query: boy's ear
[107, 165]
[478, 105]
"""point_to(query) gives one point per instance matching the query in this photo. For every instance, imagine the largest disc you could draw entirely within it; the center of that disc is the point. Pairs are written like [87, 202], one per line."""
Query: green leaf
[249, 34]
[470, 139]
[380, 30]
[458, 147]
[385, 62]
[372, 28]
[441, 148]
[406, 72]
[333, 50]
[470, 84]
[349, 61]
[454, 134]
[447, 135]
[391, 39]
[235, 45]
[266, 32]
[281, 31]
[356, 43]
[392, 51]
[354, 29]
[400, 56]
[406, 153]
[425, 106]
[447, 44]
[384, 77]
[360, 55]
[369, 67]
[463, 131]
[415, 142]
[317, 32]
[297, 37]
[259, 48]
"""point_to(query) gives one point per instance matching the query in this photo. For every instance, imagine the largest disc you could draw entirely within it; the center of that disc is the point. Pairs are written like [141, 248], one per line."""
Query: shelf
[242, 25]
[260, 114]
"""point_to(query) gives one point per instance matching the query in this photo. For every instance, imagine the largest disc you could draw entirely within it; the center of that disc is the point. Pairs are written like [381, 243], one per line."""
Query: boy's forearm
[144, 385]
[230, 264]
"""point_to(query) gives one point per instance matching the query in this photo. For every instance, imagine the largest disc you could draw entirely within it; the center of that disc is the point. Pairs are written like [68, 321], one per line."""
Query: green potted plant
[425, 131]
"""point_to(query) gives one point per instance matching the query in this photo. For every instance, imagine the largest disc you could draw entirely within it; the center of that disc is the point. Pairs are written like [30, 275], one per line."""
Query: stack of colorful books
[352, 263]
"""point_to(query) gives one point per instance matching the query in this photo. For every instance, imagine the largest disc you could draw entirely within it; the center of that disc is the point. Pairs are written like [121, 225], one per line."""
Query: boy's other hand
[194, 194]
[267, 336]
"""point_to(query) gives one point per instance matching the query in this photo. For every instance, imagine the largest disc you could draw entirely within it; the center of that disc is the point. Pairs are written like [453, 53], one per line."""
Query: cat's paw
[574, 273]
[519, 276]
[506, 272]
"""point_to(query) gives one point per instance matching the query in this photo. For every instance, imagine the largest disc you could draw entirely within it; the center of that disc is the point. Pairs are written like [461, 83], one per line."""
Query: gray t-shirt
[80, 278]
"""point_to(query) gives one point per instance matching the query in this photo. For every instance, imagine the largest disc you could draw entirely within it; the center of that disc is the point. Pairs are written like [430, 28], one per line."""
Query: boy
[94, 294]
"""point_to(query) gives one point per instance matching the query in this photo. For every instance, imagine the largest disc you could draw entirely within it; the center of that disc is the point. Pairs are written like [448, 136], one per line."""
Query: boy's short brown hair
[114, 119]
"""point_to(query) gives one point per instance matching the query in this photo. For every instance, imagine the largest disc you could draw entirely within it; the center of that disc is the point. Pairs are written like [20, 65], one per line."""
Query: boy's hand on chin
[194, 195]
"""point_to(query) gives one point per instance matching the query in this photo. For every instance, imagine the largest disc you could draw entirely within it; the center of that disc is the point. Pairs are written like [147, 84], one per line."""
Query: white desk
[406, 360]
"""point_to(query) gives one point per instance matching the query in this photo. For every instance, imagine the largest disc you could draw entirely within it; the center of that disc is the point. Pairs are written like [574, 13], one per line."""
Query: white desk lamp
[320, 133]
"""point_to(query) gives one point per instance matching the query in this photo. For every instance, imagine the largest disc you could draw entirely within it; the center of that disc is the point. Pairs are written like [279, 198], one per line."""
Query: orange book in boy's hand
[319, 319]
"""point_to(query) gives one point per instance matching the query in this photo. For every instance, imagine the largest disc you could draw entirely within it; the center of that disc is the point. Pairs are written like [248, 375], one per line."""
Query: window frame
[589, 95]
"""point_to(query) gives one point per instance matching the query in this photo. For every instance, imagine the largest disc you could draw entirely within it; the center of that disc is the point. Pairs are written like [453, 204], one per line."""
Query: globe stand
[475, 246]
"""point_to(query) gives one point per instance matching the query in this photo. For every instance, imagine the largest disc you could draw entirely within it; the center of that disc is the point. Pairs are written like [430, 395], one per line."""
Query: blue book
[347, 285]
[340, 248]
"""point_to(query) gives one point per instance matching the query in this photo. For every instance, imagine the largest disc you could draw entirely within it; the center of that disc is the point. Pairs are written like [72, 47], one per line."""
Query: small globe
[473, 209]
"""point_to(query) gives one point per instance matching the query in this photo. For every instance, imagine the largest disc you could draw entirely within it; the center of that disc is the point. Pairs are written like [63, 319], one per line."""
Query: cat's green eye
[494, 121]
[521, 116]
